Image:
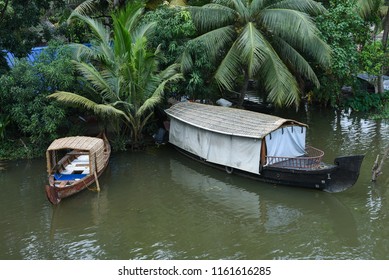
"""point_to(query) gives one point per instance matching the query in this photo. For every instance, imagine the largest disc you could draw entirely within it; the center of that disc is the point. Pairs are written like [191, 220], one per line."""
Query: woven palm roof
[85, 143]
[228, 121]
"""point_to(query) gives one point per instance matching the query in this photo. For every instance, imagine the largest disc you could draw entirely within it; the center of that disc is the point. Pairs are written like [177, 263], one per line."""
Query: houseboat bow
[74, 163]
[256, 145]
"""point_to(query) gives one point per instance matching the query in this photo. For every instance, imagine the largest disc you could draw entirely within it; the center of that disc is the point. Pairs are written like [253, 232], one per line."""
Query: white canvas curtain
[286, 142]
[237, 152]
[189, 138]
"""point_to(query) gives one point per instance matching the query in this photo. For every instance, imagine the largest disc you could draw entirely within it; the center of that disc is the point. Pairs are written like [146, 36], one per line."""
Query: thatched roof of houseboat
[85, 143]
[228, 121]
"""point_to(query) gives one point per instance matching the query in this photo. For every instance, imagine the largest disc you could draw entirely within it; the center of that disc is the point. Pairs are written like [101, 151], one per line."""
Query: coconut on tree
[120, 70]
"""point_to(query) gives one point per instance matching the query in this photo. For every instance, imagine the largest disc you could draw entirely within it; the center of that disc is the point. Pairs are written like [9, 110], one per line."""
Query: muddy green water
[159, 204]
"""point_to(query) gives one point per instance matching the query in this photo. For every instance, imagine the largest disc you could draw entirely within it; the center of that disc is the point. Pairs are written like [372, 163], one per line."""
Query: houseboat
[260, 146]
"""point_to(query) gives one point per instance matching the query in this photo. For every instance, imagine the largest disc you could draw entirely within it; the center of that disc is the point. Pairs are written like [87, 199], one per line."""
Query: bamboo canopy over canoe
[83, 144]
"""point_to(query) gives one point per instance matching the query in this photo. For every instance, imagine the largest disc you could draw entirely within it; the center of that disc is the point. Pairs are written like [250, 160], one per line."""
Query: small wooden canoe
[74, 163]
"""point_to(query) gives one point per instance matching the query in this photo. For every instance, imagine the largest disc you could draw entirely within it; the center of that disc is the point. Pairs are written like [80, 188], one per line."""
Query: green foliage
[373, 58]
[23, 98]
[19, 23]
[173, 28]
[4, 121]
[76, 32]
[17, 149]
[199, 83]
[343, 29]
[119, 142]
[365, 101]
[384, 113]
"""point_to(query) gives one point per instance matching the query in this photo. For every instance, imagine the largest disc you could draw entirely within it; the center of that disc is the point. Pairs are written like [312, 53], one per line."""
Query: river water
[158, 204]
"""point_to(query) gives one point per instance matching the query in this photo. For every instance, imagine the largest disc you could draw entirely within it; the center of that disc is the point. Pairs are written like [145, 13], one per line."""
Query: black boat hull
[330, 178]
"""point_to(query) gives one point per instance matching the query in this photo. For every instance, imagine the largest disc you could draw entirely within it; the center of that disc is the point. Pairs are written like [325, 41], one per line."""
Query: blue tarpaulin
[31, 57]
[35, 52]
[68, 177]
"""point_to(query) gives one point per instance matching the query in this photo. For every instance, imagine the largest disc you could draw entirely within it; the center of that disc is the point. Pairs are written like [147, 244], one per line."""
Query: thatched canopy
[84, 143]
[228, 121]
[92, 146]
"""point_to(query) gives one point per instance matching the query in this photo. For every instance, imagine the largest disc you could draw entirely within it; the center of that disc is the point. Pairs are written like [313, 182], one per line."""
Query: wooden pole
[97, 182]
[378, 165]
[95, 173]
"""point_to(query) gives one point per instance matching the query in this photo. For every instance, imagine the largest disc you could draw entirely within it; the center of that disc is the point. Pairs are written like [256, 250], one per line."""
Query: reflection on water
[159, 204]
[355, 134]
[271, 215]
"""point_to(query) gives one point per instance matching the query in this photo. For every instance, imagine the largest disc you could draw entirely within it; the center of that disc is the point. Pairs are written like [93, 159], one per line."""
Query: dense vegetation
[139, 54]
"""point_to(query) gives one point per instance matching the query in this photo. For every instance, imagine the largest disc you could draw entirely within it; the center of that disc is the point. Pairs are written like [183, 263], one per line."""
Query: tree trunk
[380, 83]
[386, 31]
[2, 12]
[243, 89]
[384, 44]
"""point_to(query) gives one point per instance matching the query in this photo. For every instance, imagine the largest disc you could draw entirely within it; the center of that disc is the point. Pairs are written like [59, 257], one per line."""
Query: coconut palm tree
[269, 40]
[121, 72]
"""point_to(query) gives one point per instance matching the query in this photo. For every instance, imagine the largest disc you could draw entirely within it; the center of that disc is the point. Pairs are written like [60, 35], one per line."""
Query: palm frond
[226, 3]
[145, 30]
[366, 7]
[215, 40]
[157, 95]
[131, 15]
[86, 7]
[98, 79]
[122, 39]
[256, 6]
[104, 110]
[307, 6]
[104, 53]
[186, 61]
[97, 27]
[212, 16]
[241, 9]
[81, 52]
[298, 30]
[252, 46]
[296, 60]
[280, 84]
[229, 69]
[169, 71]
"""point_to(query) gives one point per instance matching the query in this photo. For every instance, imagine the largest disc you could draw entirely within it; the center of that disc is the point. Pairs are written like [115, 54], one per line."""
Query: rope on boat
[229, 169]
